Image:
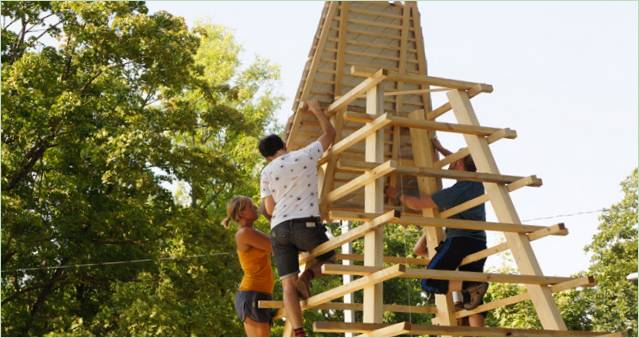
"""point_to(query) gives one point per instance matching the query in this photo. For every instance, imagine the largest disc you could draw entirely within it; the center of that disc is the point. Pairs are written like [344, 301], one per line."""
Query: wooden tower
[367, 65]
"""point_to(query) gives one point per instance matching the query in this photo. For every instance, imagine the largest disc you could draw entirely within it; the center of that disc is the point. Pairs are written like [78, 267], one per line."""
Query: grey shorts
[246, 304]
[292, 236]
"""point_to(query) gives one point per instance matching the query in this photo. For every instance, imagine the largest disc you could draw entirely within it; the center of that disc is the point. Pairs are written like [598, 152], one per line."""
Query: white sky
[565, 78]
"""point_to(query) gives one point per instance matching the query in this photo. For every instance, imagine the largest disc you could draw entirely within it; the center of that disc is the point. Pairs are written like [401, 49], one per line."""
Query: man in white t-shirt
[288, 188]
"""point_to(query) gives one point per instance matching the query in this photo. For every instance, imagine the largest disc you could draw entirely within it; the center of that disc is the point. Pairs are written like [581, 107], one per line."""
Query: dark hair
[270, 145]
[469, 164]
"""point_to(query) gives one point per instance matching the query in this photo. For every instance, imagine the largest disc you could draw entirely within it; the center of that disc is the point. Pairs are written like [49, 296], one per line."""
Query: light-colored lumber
[353, 234]
[444, 108]
[278, 304]
[358, 284]
[439, 173]
[468, 224]
[354, 93]
[442, 126]
[375, 13]
[374, 202]
[356, 137]
[530, 181]
[388, 331]
[585, 281]
[374, 24]
[444, 330]
[338, 269]
[461, 153]
[525, 258]
[387, 259]
[362, 180]
[421, 79]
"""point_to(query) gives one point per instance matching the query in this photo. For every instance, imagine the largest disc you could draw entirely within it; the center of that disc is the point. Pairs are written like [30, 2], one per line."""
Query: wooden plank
[388, 331]
[586, 281]
[463, 152]
[375, 34]
[278, 304]
[338, 269]
[439, 173]
[373, 56]
[446, 106]
[422, 68]
[328, 183]
[531, 181]
[375, 13]
[341, 47]
[350, 236]
[358, 284]
[441, 126]
[468, 224]
[421, 79]
[374, 24]
[525, 258]
[356, 137]
[443, 330]
[354, 93]
[362, 181]
[387, 259]
[374, 202]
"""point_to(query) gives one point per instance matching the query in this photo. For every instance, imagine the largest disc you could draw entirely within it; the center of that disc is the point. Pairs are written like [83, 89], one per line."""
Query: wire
[565, 215]
[133, 261]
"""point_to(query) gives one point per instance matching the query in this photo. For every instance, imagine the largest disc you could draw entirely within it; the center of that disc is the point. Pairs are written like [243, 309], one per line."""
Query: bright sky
[565, 78]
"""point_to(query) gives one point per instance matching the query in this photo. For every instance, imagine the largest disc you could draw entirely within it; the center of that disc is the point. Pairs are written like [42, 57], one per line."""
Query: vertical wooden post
[505, 210]
[424, 156]
[374, 202]
[347, 248]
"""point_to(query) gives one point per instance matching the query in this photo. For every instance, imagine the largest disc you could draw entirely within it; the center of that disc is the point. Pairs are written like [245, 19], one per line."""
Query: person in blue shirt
[458, 243]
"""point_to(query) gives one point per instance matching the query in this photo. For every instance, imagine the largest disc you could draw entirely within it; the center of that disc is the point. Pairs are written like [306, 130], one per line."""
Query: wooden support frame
[444, 330]
[586, 281]
[278, 304]
[525, 259]
[461, 153]
[356, 137]
[350, 236]
[338, 269]
[387, 259]
[358, 284]
[435, 113]
[362, 180]
[389, 331]
[422, 79]
[364, 87]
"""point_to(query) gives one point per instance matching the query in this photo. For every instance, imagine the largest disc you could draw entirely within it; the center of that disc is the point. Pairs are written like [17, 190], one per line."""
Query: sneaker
[475, 295]
[304, 286]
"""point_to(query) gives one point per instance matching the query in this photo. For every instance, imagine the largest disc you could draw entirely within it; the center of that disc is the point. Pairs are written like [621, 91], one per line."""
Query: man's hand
[438, 146]
[262, 210]
[313, 106]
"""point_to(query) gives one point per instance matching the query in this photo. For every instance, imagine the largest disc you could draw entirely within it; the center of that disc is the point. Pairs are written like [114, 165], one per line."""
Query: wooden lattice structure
[367, 65]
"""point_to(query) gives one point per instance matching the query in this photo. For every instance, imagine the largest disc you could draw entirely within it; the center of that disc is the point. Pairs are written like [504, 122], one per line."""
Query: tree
[102, 105]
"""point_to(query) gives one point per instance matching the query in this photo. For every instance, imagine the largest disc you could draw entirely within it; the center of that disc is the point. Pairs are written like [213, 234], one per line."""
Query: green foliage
[103, 105]
[609, 306]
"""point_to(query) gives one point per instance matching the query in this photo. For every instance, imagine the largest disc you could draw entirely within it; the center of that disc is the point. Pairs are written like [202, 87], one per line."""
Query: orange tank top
[258, 275]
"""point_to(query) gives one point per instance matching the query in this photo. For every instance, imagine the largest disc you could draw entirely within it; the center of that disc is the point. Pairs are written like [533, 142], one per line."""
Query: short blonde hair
[234, 207]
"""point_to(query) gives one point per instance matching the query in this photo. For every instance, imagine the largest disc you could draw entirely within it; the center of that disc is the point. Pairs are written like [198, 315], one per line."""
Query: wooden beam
[444, 330]
[388, 331]
[354, 93]
[387, 259]
[358, 136]
[358, 284]
[350, 236]
[494, 133]
[468, 224]
[525, 258]
[531, 181]
[441, 126]
[278, 304]
[422, 79]
[338, 269]
[585, 281]
[374, 202]
[439, 173]
[461, 153]
[431, 115]
[362, 180]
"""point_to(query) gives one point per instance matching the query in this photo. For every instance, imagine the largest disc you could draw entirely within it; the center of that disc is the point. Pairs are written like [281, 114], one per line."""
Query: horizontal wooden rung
[422, 79]
[442, 330]
[338, 269]
[278, 304]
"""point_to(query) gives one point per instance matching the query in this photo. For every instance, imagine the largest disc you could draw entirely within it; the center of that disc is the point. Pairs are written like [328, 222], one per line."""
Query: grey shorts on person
[246, 304]
[292, 236]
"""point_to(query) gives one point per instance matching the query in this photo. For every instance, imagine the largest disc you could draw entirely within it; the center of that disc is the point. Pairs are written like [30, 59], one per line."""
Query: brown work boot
[304, 284]
[475, 295]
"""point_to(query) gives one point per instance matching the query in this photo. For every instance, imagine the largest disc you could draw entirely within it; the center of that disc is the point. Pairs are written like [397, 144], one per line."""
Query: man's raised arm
[328, 131]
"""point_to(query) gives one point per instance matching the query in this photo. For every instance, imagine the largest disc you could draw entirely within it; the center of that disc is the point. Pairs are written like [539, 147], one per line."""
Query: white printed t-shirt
[292, 181]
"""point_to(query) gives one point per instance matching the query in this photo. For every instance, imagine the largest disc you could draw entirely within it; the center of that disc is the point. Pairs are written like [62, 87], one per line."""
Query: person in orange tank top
[254, 253]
